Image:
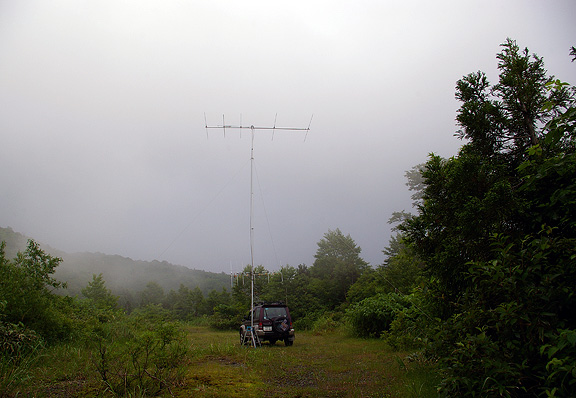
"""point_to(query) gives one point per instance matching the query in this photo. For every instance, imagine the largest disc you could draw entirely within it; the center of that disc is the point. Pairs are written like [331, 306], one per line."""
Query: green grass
[331, 365]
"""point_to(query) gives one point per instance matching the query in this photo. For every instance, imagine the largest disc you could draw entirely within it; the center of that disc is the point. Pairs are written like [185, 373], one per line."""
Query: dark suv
[272, 322]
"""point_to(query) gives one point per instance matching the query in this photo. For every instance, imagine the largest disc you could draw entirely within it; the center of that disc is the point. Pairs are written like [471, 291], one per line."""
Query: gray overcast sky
[102, 139]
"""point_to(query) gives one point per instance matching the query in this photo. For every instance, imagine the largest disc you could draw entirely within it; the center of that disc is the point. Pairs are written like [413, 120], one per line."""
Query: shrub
[139, 358]
[226, 317]
[515, 334]
[18, 347]
[327, 323]
[560, 357]
[374, 315]
[151, 313]
[412, 325]
[307, 321]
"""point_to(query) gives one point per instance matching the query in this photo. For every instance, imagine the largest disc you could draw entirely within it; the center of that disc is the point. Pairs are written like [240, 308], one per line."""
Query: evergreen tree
[496, 230]
[98, 294]
[152, 294]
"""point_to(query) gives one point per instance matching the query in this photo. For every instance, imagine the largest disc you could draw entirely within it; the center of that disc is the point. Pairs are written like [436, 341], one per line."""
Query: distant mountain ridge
[122, 274]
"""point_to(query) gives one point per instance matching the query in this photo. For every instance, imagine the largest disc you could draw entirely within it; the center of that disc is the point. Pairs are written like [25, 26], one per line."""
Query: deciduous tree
[336, 267]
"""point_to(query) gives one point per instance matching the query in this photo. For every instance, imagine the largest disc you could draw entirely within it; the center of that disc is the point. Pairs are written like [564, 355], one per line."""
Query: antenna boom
[258, 128]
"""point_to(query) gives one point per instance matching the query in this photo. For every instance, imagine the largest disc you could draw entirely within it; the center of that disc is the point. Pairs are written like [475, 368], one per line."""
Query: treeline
[124, 276]
[318, 295]
[326, 287]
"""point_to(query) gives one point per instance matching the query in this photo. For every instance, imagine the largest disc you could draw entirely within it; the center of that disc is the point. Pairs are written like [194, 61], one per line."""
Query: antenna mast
[253, 128]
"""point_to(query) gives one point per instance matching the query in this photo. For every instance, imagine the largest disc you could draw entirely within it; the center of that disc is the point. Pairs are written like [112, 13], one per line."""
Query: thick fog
[102, 139]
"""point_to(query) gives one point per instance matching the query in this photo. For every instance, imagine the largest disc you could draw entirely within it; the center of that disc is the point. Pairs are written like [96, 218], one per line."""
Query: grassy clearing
[331, 365]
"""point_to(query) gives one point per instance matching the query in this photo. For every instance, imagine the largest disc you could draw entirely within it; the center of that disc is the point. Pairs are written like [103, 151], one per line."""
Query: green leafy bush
[18, 347]
[226, 317]
[374, 315]
[138, 358]
[328, 322]
[560, 354]
[412, 325]
[515, 334]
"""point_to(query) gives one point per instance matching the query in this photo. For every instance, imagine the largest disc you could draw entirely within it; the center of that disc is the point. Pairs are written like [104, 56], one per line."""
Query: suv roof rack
[269, 303]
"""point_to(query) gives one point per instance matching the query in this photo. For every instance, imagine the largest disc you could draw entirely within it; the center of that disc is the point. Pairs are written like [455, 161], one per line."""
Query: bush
[374, 315]
[307, 321]
[151, 314]
[226, 317]
[18, 347]
[139, 358]
[327, 323]
[515, 334]
[411, 325]
[560, 355]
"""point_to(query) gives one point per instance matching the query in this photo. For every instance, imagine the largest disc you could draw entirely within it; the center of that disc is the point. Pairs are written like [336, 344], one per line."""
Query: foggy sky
[102, 139]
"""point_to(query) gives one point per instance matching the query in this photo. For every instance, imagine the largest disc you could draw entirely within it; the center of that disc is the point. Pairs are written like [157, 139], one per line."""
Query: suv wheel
[288, 342]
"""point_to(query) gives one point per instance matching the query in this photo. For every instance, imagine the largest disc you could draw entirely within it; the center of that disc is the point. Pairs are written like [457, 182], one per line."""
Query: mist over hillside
[121, 274]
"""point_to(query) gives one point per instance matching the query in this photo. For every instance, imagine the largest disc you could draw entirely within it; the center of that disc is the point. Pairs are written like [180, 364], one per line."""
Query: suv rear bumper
[262, 335]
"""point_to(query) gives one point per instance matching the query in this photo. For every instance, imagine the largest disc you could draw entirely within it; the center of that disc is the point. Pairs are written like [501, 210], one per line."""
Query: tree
[26, 288]
[415, 183]
[400, 273]
[336, 267]
[152, 294]
[39, 266]
[98, 294]
[197, 302]
[292, 285]
[281, 286]
[508, 117]
[216, 298]
[471, 196]
[496, 232]
[180, 303]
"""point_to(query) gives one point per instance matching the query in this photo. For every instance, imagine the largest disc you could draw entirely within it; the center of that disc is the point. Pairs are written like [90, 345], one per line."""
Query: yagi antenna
[225, 126]
[253, 128]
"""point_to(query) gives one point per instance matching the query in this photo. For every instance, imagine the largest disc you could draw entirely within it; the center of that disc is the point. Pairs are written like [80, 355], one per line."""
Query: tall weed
[19, 349]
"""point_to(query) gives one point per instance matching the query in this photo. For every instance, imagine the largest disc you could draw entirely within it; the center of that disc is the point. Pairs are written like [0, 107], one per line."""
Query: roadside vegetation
[475, 296]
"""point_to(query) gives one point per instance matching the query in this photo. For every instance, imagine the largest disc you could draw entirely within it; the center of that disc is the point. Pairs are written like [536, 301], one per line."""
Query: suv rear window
[273, 312]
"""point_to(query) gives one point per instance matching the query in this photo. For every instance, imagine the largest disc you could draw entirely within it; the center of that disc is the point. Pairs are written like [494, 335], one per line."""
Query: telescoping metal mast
[252, 129]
